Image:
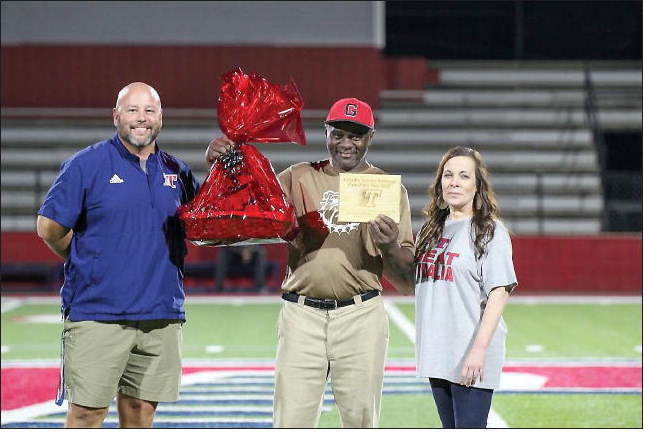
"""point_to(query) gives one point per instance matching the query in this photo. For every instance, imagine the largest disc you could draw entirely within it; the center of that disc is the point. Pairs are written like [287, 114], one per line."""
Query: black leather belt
[328, 303]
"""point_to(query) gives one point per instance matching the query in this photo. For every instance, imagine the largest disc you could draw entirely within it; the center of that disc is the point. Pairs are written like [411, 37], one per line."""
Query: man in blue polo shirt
[111, 214]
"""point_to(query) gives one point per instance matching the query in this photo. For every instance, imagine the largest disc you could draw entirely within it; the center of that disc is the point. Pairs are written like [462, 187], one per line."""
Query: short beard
[139, 143]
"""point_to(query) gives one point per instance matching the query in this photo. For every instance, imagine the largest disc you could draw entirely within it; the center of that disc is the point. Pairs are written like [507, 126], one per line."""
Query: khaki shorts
[141, 359]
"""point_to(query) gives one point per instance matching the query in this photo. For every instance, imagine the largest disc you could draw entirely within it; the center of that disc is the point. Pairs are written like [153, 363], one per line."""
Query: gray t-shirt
[452, 288]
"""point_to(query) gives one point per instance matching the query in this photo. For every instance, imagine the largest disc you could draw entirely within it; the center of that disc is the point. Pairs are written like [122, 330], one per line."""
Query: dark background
[582, 31]
[515, 30]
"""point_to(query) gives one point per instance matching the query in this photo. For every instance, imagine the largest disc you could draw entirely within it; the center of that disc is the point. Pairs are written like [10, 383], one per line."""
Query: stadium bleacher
[528, 120]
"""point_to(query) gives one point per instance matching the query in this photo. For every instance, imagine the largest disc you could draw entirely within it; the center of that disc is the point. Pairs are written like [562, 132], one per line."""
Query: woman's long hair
[485, 209]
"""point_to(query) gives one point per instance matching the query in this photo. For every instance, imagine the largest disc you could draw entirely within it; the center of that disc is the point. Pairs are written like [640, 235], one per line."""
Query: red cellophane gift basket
[241, 199]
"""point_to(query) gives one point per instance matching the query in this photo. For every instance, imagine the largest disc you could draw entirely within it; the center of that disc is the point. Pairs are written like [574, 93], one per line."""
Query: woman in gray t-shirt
[463, 277]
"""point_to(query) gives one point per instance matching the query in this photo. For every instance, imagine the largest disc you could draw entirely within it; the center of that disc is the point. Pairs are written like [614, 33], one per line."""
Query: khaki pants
[141, 359]
[349, 344]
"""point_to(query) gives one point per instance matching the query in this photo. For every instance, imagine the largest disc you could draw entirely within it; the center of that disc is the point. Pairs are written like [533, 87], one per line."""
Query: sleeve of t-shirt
[497, 263]
[406, 238]
[64, 200]
[285, 181]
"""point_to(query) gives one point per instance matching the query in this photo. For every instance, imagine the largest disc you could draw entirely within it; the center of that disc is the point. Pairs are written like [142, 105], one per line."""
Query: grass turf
[565, 331]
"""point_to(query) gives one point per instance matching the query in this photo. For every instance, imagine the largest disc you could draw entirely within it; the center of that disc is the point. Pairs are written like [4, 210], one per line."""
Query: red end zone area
[24, 386]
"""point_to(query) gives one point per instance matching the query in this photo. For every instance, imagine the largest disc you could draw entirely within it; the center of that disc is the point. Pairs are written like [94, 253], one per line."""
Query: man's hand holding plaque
[362, 197]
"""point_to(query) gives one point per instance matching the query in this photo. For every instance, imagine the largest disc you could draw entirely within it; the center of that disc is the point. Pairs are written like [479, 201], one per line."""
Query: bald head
[137, 88]
[137, 116]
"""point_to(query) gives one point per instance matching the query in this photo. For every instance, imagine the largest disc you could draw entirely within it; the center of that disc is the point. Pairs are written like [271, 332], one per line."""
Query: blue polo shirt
[128, 249]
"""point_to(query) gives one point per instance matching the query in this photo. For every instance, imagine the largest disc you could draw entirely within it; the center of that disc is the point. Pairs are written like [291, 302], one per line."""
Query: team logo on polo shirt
[116, 179]
[169, 180]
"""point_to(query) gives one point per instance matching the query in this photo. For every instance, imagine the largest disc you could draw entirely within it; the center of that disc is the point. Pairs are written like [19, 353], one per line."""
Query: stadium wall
[90, 76]
[608, 265]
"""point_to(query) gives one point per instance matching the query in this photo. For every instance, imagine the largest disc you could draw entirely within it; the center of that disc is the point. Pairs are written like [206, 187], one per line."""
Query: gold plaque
[362, 197]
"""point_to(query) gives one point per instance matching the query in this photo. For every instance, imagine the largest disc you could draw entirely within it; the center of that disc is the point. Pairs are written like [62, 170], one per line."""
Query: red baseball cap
[351, 110]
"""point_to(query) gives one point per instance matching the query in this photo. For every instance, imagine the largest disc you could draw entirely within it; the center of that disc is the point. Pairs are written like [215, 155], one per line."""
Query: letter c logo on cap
[351, 110]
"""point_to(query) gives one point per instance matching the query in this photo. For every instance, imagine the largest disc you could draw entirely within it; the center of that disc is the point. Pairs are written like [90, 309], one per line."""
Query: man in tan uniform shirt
[333, 323]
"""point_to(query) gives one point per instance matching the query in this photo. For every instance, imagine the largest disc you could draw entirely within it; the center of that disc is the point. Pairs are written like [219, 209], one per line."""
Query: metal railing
[592, 114]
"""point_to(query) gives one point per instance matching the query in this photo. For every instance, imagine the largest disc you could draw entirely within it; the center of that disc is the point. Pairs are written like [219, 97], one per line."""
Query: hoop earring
[442, 205]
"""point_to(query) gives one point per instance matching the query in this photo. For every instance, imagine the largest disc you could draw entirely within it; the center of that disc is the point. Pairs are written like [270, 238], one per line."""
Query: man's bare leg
[135, 413]
[79, 416]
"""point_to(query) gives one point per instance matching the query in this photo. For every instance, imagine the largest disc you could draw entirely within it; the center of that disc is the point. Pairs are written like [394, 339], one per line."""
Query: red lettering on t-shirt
[442, 242]
[427, 257]
[448, 274]
[451, 255]
[436, 265]
[431, 271]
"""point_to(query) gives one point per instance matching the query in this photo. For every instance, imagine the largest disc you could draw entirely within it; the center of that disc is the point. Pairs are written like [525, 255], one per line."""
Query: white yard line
[548, 299]
[46, 299]
[32, 411]
[568, 299]
[275, 298]
[197, 299]
[408, 328]
[495, 421]
[10, 304]
[400, 320]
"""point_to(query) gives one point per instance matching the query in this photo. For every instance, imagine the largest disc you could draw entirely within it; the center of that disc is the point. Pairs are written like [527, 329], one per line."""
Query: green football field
[590, 348]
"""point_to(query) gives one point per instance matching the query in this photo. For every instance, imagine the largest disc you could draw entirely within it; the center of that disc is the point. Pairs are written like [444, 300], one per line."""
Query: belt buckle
[326, 304]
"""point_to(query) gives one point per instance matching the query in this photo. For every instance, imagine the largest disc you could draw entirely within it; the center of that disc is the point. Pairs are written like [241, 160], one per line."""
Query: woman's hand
[473, 369]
